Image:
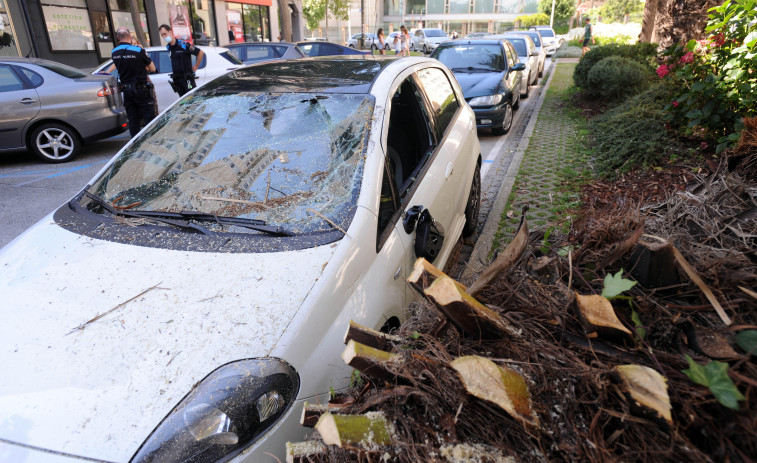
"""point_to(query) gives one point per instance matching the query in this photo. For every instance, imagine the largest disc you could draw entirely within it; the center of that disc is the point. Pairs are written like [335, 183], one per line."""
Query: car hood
[437, 40]
[479, 83]
[101, 340]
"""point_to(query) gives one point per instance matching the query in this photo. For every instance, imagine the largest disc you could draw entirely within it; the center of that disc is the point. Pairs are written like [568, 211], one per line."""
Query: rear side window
[61, 69]
[441, 97]
[236, 52]
[9, 81]
[257, 53]
[511, 55]
[229, 57]
[35, 79]
[535, 38]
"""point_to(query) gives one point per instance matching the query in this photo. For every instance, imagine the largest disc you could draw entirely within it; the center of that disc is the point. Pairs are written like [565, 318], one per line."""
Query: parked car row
[198, 288]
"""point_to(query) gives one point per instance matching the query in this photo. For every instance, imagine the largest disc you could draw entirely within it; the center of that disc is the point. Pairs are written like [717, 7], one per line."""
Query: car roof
[454, 43]
[201, 47]
[327, 74]
[265, 44]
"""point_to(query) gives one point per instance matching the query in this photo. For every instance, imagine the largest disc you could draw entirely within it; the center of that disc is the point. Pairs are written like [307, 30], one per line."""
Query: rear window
[435, 33]
[546, 32]
[230, 58]
[520, 46]
[61, 69]
[476, 57]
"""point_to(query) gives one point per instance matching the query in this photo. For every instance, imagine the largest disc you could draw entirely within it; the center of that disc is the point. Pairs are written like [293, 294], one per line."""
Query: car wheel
[541, 71]
[516, 105]
[351, 46]
[473, 205]
[507, 121]
[374, 48]
[425, 49]
[54, 142]
[528, 83]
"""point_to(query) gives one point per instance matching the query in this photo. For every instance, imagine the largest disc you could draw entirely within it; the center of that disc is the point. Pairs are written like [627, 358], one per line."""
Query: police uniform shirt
[130, 62]
[181, 56]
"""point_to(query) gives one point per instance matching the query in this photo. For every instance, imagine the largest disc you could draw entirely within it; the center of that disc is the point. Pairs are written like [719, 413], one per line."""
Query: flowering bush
[718, 75]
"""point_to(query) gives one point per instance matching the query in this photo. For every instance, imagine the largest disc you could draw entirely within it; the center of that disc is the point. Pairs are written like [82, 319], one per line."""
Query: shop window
[68, 25]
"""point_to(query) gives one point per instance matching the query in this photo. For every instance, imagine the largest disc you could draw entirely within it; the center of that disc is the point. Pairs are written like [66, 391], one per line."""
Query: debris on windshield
[294, 160]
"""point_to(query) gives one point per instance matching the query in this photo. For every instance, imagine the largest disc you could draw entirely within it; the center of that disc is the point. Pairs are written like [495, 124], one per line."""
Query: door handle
[448, 171]
[28, 100]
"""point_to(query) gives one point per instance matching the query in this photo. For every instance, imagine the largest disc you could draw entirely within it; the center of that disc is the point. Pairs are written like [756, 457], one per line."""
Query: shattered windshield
[293, 160]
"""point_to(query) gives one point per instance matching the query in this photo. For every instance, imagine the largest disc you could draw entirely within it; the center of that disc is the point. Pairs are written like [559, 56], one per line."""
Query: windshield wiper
[181, 219]
[471, 68]
[141, 215]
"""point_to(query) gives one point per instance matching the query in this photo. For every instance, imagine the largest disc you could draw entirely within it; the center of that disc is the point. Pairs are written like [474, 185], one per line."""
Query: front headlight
[224, 414]
[489, 100]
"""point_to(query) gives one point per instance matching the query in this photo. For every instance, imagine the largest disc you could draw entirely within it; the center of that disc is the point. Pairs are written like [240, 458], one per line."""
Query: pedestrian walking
[587, 36]
[180, 52]
[133, 64]
[404, 42]
[381, 41]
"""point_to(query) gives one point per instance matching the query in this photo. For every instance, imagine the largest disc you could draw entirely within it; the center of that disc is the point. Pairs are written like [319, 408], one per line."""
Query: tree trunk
[137, 20]
[648, 22]
[286, 20]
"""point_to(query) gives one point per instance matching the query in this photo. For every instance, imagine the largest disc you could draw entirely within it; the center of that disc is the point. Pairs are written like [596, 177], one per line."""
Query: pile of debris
[552, 354]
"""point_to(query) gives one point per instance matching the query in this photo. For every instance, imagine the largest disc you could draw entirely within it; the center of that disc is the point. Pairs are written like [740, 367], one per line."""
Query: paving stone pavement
[548, 151]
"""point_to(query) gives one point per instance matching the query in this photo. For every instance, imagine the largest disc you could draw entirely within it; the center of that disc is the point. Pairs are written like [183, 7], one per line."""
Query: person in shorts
[588, 36]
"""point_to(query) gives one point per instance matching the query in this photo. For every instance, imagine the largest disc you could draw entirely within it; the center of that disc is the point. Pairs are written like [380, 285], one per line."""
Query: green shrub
[561, 29]
[633, 133]
[615, 78]
[533, 20]
[641, 52]
[619, 38]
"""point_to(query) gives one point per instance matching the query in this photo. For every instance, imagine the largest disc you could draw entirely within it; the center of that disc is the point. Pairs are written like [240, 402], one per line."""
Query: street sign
[583, 8]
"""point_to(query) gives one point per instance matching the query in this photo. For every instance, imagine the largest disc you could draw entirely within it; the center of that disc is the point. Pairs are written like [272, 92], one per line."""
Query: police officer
[181, 60]
[133, 65]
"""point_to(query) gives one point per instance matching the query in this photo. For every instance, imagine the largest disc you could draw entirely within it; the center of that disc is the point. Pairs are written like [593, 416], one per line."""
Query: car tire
[425, 49]
[507, 121]
[473, 206]
[374, 48]
[541, 72]
[351, 46]
[54, 142]
[516, 105]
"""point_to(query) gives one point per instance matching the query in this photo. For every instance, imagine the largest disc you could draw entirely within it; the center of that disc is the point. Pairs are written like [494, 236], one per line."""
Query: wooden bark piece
[654, 264]
[501, 386]
[367, 431]
[647, 388]
[369, 337]
[301, 452]
[372, 362]
[311, 413]
[598, 315]
[505, 260]
[623, 247]
[474, 318]
[424, 273]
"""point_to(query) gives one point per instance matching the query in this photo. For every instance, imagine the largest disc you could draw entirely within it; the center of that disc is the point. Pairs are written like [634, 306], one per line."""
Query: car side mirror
[429, 235]
[518, 67]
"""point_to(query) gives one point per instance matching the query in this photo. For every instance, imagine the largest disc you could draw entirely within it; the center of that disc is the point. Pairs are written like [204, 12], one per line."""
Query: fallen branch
[373, 362]
[84, 325]
[367, 432]
[424, 274]
[369, 337]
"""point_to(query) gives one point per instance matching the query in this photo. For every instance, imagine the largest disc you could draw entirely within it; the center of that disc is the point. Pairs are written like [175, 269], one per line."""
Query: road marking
[58, 174]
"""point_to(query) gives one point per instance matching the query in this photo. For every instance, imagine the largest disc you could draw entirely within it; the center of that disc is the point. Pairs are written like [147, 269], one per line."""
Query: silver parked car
[539, 43]
[527, 55]
[370, 41]
[51, 109]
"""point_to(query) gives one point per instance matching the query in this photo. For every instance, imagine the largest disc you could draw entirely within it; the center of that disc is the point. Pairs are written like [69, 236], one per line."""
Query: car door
[513, 78]
[423, 163]
[20, 104]
[164, 92]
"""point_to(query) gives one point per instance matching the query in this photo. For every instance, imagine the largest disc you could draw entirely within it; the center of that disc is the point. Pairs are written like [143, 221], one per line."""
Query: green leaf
[640, 330]
[415, 335]
[694, 113]
[714, 375]
[751, 39]
[697, 86]
[747, 340]
[691, 45]
[616, 284]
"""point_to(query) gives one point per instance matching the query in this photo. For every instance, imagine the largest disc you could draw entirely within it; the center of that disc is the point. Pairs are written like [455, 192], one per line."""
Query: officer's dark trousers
[184, 83]
[139, 104]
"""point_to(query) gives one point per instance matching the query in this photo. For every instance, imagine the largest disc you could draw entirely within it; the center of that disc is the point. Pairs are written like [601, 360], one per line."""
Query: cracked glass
[291, 159]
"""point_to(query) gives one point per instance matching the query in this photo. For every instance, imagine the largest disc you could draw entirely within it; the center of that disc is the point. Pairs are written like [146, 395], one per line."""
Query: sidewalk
[544, 172]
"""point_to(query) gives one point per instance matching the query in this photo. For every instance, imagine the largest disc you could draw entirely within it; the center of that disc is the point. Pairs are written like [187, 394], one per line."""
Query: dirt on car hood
[101, 340]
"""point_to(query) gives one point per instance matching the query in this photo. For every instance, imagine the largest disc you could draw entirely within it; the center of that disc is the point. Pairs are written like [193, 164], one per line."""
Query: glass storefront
[248, 22]
[68, 25]
[204, 22]
[8, 45]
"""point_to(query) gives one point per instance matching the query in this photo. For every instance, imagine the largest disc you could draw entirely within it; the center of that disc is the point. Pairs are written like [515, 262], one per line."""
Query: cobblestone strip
[537, 166]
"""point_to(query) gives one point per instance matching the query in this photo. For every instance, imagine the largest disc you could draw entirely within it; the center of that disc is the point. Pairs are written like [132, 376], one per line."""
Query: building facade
[81, 33]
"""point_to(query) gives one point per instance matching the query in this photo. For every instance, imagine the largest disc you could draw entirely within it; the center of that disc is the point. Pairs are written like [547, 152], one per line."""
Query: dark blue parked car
[488, 73]
[328, 49]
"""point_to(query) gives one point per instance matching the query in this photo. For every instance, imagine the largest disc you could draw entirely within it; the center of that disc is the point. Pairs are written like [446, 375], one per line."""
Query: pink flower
[675, 103]
[663, 70]
[687, 58]
[703, 145]
[718, 40]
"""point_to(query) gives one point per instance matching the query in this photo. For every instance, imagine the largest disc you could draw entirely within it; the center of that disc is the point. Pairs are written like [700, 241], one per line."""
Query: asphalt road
[31, 189]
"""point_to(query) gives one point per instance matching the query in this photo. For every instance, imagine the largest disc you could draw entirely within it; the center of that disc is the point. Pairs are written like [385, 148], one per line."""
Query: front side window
[441, 97]
[244, 155]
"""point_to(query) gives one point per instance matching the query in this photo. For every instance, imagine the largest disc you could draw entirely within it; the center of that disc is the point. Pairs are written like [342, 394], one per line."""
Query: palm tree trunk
[648, 22]
[286, 20]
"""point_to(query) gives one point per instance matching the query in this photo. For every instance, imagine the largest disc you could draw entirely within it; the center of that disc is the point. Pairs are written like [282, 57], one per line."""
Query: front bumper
[489, 117]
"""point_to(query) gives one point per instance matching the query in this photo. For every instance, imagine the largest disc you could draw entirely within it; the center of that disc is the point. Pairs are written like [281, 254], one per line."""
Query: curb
[479, 256]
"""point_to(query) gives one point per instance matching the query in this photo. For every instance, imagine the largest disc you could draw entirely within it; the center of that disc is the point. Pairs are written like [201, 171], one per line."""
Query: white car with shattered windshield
[187, 302]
